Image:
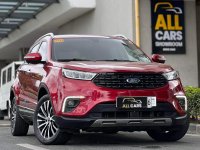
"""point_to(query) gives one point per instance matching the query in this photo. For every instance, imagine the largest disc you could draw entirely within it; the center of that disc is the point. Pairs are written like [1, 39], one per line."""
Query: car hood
[106, 66]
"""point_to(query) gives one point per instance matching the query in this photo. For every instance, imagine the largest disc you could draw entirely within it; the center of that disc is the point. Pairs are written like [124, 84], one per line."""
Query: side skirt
[26, 114]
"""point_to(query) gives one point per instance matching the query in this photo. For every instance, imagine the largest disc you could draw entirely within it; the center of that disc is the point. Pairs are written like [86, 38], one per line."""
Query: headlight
[171, 75]
[80, 75]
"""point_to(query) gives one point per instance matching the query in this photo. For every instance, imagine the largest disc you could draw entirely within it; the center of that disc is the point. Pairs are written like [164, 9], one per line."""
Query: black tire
[8, 111]
[1, 115]
[110, 131]
[169, 136]
[18, 126]
[45, 128]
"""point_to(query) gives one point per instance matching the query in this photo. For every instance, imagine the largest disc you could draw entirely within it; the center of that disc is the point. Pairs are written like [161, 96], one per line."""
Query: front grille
[109, 111]
[119, 80]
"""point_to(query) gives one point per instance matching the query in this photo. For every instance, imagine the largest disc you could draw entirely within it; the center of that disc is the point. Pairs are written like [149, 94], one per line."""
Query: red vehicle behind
[103, 84]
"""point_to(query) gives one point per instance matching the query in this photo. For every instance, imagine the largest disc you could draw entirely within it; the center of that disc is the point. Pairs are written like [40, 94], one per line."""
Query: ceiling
[49, 20]
[14, 13]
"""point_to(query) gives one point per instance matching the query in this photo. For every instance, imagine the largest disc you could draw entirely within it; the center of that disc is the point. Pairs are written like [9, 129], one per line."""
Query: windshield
[96, 49]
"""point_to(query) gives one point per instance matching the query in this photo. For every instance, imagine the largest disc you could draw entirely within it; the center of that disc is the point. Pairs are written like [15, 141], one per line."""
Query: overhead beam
[12, 10]
[3, 35]
[43, 1]
[12, 13]
[23, 16]
[12, 26]
[32, 1]
[2, 15]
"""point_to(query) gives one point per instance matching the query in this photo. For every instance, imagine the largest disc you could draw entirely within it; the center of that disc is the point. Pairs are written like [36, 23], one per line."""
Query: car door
[25, 82]
[37, 72]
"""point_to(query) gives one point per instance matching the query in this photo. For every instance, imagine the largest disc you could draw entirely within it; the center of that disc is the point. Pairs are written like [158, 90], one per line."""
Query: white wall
[110, 17]
[186, 64]
[2, 64]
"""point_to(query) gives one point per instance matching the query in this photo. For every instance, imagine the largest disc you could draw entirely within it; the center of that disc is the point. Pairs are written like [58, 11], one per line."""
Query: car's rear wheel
[45, 127]
[1, 115]
[18, 126]
[8, 111]
[172, 135]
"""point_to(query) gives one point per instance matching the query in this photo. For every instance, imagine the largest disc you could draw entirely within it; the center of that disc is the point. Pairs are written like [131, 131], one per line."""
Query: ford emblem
[133, 80]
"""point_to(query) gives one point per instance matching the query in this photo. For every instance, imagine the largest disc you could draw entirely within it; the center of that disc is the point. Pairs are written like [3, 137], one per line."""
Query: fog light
[71, 102]
[183, 102]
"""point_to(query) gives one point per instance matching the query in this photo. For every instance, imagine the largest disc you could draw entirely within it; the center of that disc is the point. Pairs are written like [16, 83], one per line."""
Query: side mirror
[158, 58]
[33, 58]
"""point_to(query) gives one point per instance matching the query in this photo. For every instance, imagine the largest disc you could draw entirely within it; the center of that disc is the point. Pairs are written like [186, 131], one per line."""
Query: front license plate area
[135, 102]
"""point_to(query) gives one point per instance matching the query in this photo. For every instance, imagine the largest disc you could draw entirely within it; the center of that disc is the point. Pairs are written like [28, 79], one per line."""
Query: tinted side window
[43, 51]
[4, 77]
[9, 77]
[35, 49]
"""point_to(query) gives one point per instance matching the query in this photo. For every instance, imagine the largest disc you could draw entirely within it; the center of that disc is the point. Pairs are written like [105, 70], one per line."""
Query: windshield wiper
[79, 59]
[117, 60]
[73, 59]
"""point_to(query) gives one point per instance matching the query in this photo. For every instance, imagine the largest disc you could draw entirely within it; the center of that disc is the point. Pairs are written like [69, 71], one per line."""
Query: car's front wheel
[171, 135]
[45, 127]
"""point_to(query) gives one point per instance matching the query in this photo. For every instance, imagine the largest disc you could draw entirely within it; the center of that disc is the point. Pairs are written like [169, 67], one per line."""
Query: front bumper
[119, 124]
[106, 115]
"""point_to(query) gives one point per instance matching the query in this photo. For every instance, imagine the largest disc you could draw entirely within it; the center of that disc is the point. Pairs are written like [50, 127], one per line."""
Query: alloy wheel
[45, 121]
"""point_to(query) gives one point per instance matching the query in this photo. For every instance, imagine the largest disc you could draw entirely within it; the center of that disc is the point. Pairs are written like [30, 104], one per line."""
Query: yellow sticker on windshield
[58, 40]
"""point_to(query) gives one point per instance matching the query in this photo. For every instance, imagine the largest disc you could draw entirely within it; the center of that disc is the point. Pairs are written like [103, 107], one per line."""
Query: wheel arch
[43, 90]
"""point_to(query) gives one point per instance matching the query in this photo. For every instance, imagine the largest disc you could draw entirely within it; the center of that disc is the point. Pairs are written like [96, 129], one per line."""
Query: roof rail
[121, 36]
[48, 34]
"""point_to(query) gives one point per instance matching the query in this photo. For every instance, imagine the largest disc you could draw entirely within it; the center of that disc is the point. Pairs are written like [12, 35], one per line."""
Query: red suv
[73, 83]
